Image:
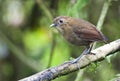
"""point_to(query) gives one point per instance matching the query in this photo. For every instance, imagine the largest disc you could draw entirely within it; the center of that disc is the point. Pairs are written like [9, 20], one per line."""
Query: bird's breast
[73, 39]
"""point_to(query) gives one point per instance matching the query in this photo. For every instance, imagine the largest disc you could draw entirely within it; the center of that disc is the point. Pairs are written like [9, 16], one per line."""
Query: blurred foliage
[28, 45]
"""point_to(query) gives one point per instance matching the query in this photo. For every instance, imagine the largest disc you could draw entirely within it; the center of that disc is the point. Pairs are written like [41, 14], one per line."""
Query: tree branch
[67, 67]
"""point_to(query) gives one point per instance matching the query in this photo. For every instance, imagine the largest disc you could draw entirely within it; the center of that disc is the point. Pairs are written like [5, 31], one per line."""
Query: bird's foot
[74, 60]
[77, 59]
[91, 53]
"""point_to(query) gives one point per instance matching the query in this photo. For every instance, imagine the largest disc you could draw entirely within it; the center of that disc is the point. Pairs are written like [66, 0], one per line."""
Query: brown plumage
[78, 32]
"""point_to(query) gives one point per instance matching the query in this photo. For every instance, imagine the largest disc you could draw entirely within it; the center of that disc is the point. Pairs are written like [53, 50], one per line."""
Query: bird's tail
[105, 39]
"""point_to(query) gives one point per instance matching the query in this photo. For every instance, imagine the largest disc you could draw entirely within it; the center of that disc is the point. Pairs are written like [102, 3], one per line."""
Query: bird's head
[61, 23]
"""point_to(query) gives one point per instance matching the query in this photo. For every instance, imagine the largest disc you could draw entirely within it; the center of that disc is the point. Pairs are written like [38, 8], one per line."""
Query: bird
[78, 32]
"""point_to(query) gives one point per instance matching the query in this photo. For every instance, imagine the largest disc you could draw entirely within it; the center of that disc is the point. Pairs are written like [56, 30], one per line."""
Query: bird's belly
[76, 41]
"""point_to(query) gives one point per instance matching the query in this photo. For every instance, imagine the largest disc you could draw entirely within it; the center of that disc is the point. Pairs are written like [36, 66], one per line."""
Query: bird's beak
[52, 25]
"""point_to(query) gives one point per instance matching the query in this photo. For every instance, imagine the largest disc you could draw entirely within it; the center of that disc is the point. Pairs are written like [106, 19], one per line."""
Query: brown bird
[78, 32]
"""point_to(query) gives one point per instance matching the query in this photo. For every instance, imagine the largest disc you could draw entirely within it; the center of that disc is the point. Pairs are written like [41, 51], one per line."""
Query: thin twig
[45, 9]
[52, 51]
[102, 16]
[79, 75]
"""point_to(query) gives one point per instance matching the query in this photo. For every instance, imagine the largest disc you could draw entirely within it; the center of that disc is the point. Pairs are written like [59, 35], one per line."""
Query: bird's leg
[90, 48]
[85, 52]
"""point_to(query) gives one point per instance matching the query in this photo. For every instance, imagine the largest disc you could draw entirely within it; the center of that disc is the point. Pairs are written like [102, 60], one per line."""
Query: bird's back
[86, 31]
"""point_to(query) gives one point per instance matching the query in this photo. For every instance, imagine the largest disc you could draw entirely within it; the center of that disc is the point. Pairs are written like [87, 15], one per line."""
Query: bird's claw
[92, 53]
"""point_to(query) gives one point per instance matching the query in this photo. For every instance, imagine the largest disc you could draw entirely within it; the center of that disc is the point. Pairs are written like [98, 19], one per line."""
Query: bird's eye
[61, 21]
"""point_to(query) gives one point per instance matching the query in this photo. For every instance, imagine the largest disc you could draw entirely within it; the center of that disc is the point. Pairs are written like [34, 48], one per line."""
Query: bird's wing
[89, 33]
